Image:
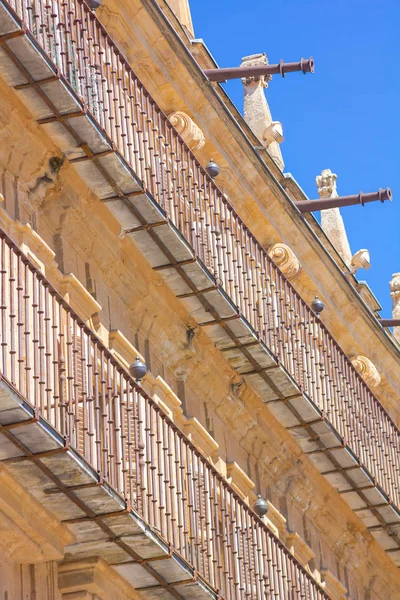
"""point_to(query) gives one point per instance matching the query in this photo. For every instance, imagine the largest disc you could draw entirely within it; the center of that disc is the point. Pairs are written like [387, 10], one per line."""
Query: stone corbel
[31, 244]
[187, 129]
[278, 521]
[167, 399]
[333, 586]
[286, 260]
[240, 482]
[89, 578]
[300, 549]
[77, 296]
[122, 349]
[367, 370]
[200, 437]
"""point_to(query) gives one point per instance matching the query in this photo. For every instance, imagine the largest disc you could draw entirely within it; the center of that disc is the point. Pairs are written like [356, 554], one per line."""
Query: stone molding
[31, 244]
[187, 129]
[299, 548]
[122, 348]
[278, 521]
[286, 260]
[333, 586]
[80, 300]
[200, 437]
[366, 368]
[166, 398]
[240, 482]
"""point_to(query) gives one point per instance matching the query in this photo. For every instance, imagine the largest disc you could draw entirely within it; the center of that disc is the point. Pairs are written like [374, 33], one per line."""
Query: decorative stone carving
[273, 133]
[331, 219]
[187, 129]
[285, 258]
[395, 294]
[367, 370]
[256, 60]
[326, 184]
[360, 260]
[256, 110]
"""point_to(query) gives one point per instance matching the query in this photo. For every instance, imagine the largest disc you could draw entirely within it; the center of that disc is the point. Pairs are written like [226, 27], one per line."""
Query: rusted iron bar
[305, 206]
[389, 322]
[221, 75]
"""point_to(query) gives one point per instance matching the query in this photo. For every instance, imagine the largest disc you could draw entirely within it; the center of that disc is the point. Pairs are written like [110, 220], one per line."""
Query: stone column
[395, 293]
[256, 110]
[331, 219]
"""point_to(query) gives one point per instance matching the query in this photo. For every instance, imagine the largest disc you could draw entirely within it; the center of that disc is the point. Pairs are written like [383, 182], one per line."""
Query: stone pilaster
[395, 294]
[331, 219]
[256, 110]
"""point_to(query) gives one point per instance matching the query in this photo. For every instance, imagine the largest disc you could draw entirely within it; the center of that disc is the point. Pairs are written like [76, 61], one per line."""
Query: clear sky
[344, 117]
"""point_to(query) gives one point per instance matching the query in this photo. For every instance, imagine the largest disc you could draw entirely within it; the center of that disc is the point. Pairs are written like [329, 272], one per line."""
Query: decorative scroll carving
[326, 184]
[187, 129]
[285, 258]
[273, 133]
[367, 370]
[395, 294]
[360, 260]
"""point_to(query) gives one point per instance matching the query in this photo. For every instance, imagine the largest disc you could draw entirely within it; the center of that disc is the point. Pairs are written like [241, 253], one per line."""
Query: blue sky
[344, 117]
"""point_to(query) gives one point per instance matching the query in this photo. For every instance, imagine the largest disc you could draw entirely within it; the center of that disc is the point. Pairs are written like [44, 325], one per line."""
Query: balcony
[100, 454]
[67, 70]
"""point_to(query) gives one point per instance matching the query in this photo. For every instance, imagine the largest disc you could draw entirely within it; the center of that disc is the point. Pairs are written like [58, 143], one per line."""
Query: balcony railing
[61, 367]
[77, 43]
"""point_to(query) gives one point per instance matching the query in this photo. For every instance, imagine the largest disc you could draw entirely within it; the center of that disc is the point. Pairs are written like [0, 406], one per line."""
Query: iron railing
[55, 361]
[79, 45]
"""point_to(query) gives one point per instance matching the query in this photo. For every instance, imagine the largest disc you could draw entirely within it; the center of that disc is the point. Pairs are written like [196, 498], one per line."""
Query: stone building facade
[116, 244]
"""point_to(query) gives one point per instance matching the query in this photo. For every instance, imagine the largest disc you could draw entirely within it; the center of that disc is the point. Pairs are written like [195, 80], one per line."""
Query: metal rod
[220, 75]
[389, 322]
[305, 206]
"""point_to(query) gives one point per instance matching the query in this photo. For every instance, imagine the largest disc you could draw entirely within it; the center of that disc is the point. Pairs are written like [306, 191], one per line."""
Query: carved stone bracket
[187, 129]
[285, 258]
[367, 370]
